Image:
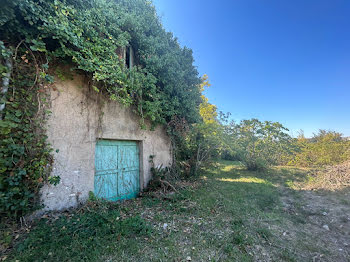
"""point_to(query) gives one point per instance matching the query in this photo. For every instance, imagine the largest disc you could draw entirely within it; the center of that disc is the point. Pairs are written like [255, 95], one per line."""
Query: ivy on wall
[25, 156]
[87, 34]
[164, 81]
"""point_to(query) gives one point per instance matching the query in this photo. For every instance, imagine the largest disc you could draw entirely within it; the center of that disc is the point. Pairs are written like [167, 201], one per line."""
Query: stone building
[100, 147]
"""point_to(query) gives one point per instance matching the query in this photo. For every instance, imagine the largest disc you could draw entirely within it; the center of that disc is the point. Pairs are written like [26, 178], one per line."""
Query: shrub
[324, 148]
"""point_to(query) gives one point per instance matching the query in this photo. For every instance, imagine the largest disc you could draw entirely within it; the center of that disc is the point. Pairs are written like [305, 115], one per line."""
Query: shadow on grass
[274, 195]
[234, 210]
[79, 236]
[240, 191]
[275, 175]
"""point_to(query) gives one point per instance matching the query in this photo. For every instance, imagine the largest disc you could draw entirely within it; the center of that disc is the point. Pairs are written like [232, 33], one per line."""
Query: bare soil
[324, 223]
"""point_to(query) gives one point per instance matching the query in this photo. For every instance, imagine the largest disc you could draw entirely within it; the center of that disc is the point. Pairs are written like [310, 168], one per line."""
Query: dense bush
[324, 148]
[204, 140]
[89, 34]
[25, 156]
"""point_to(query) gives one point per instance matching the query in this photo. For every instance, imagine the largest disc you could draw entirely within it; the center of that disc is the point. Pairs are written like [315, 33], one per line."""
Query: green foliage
[324, 148]
[261, 144]
[80, 236]
[161, 176]
[92, 196]
[90, 34]
[25, 156]
[54, 180]
[5, 54]
[202, 141]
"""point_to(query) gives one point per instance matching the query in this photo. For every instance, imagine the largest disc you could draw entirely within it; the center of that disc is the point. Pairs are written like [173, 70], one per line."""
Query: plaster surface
[80, 116]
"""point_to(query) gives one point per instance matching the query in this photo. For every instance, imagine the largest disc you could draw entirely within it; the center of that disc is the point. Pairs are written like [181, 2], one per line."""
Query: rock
[326, 227]
[324, 213]
[188, 258]
[165, 226]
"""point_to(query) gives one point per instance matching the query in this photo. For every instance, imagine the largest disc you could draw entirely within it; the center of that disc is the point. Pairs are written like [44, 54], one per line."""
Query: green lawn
[230, 214]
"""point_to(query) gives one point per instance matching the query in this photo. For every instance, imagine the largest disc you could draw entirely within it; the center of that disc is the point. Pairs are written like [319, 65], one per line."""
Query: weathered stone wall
[79, 117]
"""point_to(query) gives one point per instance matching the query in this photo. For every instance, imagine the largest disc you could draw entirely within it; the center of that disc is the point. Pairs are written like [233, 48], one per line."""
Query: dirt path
[326, 226]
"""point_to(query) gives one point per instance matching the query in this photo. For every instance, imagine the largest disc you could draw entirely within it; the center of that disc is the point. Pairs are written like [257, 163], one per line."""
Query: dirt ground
[228, 214]
[326, 224]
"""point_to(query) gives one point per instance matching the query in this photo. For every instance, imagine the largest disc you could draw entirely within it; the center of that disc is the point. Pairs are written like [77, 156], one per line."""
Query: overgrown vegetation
[258, 145]
[163, 86]
[261, 144]
[232, 214]
[324, 148]
[90, 36]
[203, 141]
[82, 235]
[25, 156]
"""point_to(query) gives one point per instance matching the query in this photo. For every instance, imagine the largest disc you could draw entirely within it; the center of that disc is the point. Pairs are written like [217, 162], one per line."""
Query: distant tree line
[259, 144]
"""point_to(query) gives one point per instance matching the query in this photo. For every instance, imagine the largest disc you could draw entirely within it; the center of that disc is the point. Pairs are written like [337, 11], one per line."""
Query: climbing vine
[88, 35]
[25, 155]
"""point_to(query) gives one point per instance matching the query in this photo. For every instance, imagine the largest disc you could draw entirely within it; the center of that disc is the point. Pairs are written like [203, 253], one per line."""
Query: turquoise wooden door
[117, 170]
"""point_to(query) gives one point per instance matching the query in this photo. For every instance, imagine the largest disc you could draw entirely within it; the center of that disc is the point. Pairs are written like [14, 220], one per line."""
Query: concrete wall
[79, 117]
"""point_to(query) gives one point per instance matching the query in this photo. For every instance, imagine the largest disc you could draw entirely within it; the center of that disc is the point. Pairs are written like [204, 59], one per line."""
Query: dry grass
[330, 177]
[230, 214]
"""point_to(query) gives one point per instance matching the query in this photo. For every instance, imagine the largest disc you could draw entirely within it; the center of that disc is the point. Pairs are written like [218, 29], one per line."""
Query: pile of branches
[166, 182]
[332, 177]
[162, 178]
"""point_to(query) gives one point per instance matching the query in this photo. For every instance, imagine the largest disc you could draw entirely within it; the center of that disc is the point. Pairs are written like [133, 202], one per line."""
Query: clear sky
[285, 61]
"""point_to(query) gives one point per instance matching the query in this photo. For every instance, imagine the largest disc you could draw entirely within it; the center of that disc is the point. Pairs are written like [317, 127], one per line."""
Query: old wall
[79, 117]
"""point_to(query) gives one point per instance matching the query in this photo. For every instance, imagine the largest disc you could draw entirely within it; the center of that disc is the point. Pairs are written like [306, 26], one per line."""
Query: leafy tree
[207, 110]
[261, 144]
[204, 140]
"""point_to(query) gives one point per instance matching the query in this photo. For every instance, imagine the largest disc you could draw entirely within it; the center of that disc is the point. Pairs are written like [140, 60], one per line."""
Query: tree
[261, 144]
[207, 111]
[203, 141]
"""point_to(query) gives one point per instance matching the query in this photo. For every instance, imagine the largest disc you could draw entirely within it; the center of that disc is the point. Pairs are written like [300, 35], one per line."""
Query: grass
[230, 215]
[80, 236]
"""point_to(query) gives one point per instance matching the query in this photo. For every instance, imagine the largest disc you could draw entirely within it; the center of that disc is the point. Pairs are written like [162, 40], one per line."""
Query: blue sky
[285, 61]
